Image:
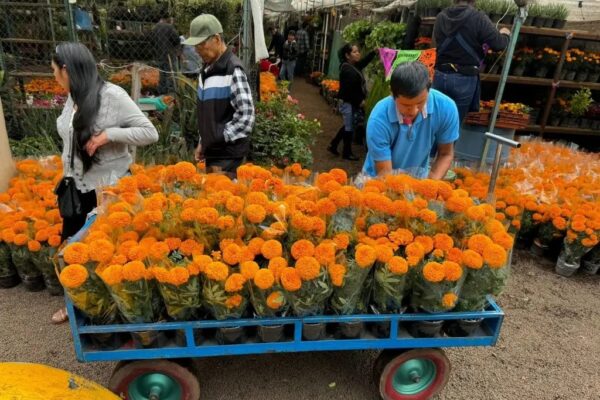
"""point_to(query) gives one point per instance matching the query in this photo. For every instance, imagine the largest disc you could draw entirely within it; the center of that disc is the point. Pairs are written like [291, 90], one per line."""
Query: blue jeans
[463, 89]
[287, 70]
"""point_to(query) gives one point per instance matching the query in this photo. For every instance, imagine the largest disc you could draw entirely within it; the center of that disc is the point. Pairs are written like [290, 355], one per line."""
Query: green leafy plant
[581, 102]
[558, 11]
[386, 34]
[357, 32]
[282, 135]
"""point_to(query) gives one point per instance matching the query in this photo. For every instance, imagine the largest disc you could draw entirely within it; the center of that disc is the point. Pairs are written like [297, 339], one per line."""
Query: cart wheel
[414, 375]
[382, 360]
[154, 380]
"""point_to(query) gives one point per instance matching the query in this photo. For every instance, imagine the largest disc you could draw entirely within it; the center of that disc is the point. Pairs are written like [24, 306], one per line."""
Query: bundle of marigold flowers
[266, 294]
[223, 291]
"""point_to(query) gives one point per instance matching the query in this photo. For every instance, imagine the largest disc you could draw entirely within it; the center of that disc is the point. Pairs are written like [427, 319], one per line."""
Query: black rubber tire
[382, 360]
[125, 372]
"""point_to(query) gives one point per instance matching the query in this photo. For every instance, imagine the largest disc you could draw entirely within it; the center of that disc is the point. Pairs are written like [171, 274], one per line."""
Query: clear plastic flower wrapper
[347, 297]
[389, 288]
[7, 269]
[21, 258]
[42, 259]
[307, 287]
[436, 286]
[487, 274]
[179, 286]
[265, 292]
[89, 294]
[223, 291]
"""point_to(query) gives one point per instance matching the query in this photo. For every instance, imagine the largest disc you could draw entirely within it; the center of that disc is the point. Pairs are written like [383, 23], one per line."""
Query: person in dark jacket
[167, 45]
[289, 57]
[277, 41]
[459, 33]
[225, 106]
[353, 92]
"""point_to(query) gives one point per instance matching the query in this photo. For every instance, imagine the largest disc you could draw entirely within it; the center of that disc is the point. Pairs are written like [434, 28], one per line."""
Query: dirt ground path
[549, 347]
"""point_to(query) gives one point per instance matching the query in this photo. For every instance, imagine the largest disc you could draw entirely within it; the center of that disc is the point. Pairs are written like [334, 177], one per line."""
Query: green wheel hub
[154, 386]
[414, 376]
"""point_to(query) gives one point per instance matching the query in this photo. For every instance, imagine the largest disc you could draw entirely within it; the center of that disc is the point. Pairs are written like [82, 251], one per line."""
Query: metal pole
[521, 16]
[500, 143]
[70, 22]
[324, 44]
[247, 23]
[51, 21]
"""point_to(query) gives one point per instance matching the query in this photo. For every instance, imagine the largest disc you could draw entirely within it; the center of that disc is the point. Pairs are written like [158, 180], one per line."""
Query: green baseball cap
[201, 28]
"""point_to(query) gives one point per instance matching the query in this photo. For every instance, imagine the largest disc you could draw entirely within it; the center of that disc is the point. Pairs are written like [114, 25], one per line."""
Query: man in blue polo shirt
[404, 127]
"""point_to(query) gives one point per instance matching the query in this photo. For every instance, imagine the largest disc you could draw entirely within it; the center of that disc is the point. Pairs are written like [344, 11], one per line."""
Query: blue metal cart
[408, 367]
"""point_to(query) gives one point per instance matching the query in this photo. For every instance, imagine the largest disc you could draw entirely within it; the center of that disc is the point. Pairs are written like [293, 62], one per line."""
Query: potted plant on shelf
[559, 111]
[580, 103]
[535, 12]
[560, 14]
[522, 59]
[546, 58]
[594, 67]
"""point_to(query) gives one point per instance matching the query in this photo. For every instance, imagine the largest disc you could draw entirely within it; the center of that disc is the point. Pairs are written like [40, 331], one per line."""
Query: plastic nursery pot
[538, 248]
[582, 76]
[108, 341]
[9, 281]
[351, 330]
[571, 75]
[313, 331]
[33, 283]
[462, 327]
[53, 286]
[564, 268]
[539, 22]
[149, 339]
[559, 23]
[549, 23]
[270, 333]
[231, 335]
[590, 268]
[425, 329]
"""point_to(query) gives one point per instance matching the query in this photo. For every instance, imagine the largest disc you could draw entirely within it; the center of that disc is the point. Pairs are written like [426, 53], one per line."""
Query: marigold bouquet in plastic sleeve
[347, 297]
[265, 292]
[436, 286]
[223, 291]
[306, 286]
[487, 271]
[88, 294]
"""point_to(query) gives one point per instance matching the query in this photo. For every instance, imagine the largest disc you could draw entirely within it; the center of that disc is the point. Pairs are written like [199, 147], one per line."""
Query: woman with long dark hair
[353, 92]
[97, 124]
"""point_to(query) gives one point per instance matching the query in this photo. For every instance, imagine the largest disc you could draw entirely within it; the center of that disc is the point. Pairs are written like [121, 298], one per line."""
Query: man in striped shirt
[303, 47]
[225, 106]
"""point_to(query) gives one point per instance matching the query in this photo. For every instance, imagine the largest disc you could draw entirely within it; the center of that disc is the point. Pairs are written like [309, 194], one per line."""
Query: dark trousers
[165, 76]
[229, 166]
[72, 225]
[300, 65]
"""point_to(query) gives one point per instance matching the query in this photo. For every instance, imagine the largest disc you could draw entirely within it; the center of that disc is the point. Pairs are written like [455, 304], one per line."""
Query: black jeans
[229, 165]
[72, 225]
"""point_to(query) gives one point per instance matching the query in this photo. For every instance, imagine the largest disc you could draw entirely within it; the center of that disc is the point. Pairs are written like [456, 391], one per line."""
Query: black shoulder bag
[69, 203]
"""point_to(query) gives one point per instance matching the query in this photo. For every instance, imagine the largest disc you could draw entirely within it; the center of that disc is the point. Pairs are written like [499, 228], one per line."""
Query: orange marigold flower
[384, 253]
[113, 275]
[275, 300]
[426, 242]
[434, 272]
[233, 301]
[119, 219]
[453, 271]
[225, 222]
[77, 253]
[255, 213]
[101, 250]
[494, 255]
[276, 265]
[365, 256]
[340, 198]
[503, 239]
[271, 249]
[427, 216]
[161, 274]
[443, 242]
[512, 211]
[290, 279]
[232, 253]
[258, 198]
[184, 170]
[178, 276]
[255, 245]
[337, 273]
[54, 240]
[559, 223]
[326, 207]
[34, 246]
[308, 268]
[173, 243]
[413, 261]
[21, 239]
[73, 276]
[302, 248]
[342, 241]
[235, 204]
[190, 247]
[217, 271]
[325, 252]
[137, 252]
[8, 235]
[472, 259]
[401, 237]
[415, 250]
[264, 279]
[249, 269]
[134, 271]
[449, 300]
[159, 251]
[397, 265]
[378, 230]
[476, 213]
[234, 283]
[458, 204]
[479, 242]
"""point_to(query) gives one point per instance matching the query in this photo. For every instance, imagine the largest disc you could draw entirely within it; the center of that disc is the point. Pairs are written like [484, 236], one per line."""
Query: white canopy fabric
[279, 6]
[393, 6]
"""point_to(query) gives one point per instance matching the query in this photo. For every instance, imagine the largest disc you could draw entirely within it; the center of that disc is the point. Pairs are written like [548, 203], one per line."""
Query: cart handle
[501, 141]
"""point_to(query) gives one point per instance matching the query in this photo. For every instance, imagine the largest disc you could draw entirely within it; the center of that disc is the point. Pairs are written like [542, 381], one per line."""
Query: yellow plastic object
[20, 381]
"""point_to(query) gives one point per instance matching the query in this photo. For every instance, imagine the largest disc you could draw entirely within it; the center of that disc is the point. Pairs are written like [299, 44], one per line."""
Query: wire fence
[119, 34]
